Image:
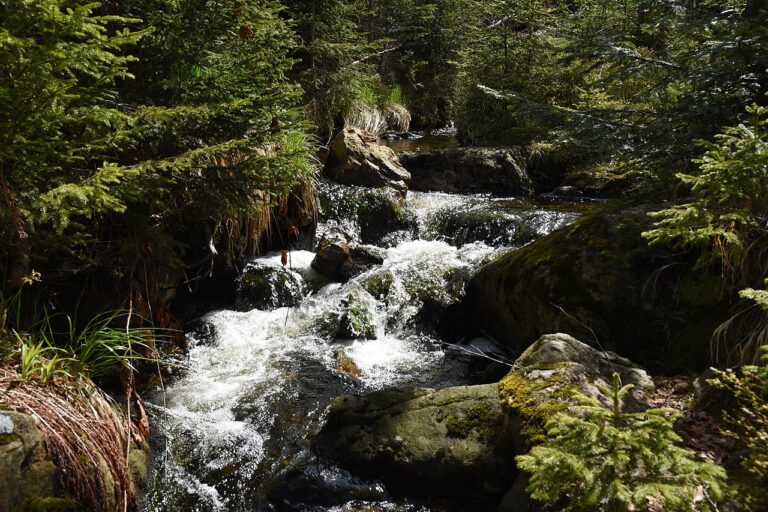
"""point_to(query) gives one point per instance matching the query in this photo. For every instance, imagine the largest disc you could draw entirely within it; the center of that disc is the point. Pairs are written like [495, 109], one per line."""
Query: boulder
[26, 471]
[497, 224]
[354, 320]
[453, 441]
[356, 159]
[339, 258]
[567, 191]
[545, 376]
[461, 442]
[600, 183]
[499, 171]
[585, 363]
[369, 213]
[599, 280]
[431, 292]
[267, 287]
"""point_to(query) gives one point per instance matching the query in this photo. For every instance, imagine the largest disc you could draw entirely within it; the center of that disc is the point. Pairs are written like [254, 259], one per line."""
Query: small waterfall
[234, 431]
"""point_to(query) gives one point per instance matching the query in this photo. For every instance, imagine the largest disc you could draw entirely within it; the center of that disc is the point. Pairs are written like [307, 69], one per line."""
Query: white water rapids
[233, 432]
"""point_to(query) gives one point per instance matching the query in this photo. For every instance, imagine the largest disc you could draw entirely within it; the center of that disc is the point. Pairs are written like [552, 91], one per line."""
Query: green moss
[524, 396]
[39, 504]
[9, 438]
[379, 284]
[476, 420]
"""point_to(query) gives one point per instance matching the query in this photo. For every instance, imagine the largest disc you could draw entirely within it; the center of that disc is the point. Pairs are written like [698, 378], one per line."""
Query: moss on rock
[475, 420]
[48, 504]
[599, 279]
[534, 400]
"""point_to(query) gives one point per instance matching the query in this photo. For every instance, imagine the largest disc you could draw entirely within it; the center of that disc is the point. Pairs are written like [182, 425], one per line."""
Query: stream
[234, 430]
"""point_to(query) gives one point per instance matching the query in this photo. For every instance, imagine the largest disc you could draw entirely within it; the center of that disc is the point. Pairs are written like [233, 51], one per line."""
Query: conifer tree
[60, 124]
[748, 421]
[606, 459]
[332, 62]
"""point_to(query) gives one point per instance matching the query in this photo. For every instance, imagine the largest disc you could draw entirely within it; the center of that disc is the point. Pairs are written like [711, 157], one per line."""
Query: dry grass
[398, 118]
[737, 341]
[368, 119]
[86, 437]
[244, 236]
[376, 121]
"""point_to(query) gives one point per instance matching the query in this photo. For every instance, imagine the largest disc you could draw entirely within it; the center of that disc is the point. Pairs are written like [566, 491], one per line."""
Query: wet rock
[353, 320]
[346, 365]
[598, 279]
[305, 486]
[479, 224]
[497, 225]
[567, 191]
[461, 441]
[454, 441]
[370, 214]
[599, 183]
[268, 287]
[356, 159]
[340, 258]
[202, 331]
[430, 296]
[379, 283]
[495, 170]
[26, 470]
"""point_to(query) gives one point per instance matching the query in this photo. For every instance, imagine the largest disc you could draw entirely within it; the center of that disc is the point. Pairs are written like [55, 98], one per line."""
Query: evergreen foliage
[749, 424]
[60, 123]
[631, 83]
[332, 67]
[729, 208]
[725, 220]
[123, 149]
[606, 459]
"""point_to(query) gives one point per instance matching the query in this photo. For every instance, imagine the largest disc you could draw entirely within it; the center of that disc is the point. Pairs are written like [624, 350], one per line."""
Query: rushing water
[234, 431]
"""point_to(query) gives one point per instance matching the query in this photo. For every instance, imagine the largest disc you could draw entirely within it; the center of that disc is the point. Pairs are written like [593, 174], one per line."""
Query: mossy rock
[599, 279]
[379, 283]
[449, 442]
[49, 504]
[352, 320]
[546, 375]
[266, 287]
[374, 212]
[26, 470]
[461, 441]
[500, 171]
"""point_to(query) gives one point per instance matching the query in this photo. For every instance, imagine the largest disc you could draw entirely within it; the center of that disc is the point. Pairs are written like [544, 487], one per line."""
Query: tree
[127, 155]
[60, 125]
[602, 458]
[332, 62]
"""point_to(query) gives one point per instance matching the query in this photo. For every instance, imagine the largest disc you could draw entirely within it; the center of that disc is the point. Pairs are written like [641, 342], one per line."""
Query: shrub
[606, 459]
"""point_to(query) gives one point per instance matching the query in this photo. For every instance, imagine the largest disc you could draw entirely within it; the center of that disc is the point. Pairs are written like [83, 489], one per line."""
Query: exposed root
[85, 436]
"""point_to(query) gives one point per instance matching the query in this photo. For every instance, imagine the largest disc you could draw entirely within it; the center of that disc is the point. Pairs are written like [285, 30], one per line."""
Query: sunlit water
[234, 431]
